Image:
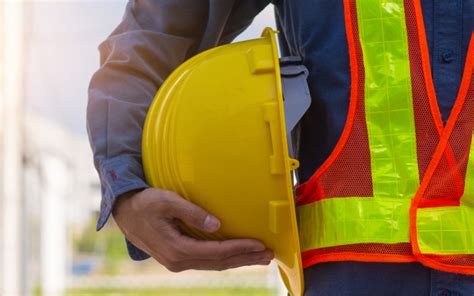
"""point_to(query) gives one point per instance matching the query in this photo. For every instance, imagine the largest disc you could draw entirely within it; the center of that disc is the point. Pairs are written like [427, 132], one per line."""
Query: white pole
[11, 166]
[53, 225]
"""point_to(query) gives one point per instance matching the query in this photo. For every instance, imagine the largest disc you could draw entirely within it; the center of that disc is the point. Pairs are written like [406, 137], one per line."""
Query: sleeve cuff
[118, 176]
[135, 253]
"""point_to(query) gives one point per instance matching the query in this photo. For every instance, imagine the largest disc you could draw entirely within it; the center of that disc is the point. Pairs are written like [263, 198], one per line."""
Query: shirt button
[447, 56]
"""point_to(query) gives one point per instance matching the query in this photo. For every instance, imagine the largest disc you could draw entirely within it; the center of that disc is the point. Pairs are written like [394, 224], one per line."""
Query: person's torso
[315, 30]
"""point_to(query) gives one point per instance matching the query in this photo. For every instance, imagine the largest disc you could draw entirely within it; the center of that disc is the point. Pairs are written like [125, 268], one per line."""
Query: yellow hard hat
[216, 134]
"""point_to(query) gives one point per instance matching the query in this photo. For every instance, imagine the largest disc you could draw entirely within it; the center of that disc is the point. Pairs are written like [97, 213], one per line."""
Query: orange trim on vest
[425, 60]
[312, 257]
[357, 257]
[306, 192]
[354, 68]
[440, 150]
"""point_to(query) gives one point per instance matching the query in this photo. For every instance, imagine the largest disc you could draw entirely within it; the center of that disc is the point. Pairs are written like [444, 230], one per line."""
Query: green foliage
[115, 251]
[86, 242]
[108, 244]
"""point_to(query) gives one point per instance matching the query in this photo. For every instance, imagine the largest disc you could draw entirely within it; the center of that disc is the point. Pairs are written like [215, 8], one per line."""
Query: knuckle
[165, 195]
[169, 196]
[163, 203]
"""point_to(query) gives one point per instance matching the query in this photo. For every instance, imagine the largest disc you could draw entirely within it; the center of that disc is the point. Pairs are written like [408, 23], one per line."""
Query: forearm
[135, 60]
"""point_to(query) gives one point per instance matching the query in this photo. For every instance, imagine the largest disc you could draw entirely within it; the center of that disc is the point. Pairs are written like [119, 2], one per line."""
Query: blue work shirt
[155, 37]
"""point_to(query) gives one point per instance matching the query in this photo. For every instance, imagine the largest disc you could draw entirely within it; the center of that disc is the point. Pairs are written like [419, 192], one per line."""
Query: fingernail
[211, 223]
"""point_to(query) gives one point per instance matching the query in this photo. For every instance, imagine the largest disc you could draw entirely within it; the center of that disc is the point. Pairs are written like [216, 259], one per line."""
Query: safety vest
[399, 185]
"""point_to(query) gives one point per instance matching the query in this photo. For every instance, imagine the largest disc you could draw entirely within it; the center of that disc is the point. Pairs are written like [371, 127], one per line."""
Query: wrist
[123, 202]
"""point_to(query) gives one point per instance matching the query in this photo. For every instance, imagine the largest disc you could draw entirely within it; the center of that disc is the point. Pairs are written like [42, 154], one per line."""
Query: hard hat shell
[215, 134]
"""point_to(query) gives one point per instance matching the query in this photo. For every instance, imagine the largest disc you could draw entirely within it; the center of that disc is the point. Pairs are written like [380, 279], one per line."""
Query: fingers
[191, 214]
[256, 258]
[150, 217]
[198, 249]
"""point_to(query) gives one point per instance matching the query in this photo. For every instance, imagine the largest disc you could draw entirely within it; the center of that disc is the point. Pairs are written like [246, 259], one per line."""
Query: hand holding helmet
[150, 219]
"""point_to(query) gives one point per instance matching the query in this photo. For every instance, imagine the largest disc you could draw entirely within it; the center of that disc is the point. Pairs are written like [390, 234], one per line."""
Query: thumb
[194, 216]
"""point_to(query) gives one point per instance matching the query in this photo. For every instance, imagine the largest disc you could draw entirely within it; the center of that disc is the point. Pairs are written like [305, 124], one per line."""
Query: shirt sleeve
[153, 38]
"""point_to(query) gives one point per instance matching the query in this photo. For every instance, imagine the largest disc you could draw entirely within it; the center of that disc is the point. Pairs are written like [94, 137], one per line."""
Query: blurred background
[49, 190]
